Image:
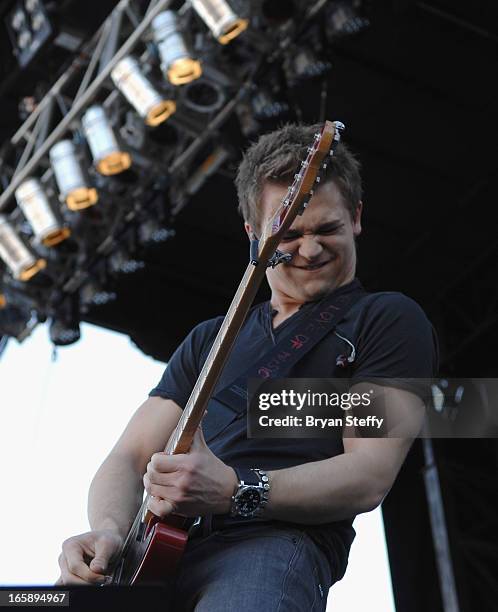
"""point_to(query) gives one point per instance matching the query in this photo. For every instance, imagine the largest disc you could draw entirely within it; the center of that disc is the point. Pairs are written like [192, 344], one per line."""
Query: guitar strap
[304, 335]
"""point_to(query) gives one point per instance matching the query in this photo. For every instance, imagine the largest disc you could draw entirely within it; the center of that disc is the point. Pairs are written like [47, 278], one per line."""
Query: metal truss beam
[84, 97]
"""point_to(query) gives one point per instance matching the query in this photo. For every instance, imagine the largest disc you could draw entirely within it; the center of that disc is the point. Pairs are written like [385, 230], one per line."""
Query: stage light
[220, 19]
[176, 62]
[149, 104]
[18, 257]
[104, 297]
[15, 322]
[93, 294]
[119, 263]
[203, 96]
[344, 19]
[29, 28]
[108, 157]
[36, 207]
[150, 232]
[24, 39]
[65, 326]
[305, 65]
[18, 19]
[69, 176]
[3, 301]
[266, 107]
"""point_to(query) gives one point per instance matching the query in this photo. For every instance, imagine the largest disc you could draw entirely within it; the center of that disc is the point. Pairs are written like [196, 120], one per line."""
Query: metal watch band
[265, 484]
[256, 480]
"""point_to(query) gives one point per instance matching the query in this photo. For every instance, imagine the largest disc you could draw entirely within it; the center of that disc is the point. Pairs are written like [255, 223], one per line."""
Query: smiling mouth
[316, 266]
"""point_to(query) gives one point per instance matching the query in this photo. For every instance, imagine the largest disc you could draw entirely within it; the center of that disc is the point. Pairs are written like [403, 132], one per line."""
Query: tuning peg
[279, 258]
[303, 208]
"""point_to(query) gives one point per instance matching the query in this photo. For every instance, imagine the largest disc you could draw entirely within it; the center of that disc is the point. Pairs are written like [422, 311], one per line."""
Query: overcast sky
[59, 419]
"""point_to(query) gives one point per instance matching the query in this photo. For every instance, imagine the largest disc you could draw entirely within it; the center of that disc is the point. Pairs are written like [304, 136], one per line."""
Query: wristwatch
[251, 494]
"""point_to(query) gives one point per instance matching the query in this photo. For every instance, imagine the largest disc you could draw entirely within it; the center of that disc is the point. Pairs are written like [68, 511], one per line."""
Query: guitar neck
[182, 437]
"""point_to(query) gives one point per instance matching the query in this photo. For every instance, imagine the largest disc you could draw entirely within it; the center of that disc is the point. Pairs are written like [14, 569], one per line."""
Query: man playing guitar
[277, 513]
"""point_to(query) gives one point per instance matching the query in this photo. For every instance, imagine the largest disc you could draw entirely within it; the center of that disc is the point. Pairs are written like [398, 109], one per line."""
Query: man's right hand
[86, 558]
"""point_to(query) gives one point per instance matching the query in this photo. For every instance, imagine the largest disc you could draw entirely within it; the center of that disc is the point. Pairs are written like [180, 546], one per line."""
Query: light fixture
[304, 65]
[150, 232]
[61, 335]
[65, 325]
[266, 107]
[108, 157]
[15, 322]
[344, 18]
[203, 96]
[176, 62]
[220, 19]
[36, 207]
[22, 262]
[69, 176]
[136, 88]
[120, 263]
[29, 28]
[92, 294]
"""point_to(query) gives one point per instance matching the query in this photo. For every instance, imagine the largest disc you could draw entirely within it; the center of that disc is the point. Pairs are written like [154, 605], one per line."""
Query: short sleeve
[184, 367]
[396, 341]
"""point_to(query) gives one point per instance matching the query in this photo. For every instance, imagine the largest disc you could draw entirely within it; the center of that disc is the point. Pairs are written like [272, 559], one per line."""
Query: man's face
[321, 242]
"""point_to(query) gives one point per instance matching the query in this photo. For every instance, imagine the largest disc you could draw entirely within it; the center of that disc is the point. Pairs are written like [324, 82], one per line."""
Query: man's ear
[249, 230]
[357, 219]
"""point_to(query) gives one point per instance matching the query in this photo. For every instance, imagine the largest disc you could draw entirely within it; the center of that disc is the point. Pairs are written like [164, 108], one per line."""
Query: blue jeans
[253, 568]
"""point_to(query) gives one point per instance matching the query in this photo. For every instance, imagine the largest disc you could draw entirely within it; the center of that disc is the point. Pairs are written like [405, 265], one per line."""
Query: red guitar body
[152, 558]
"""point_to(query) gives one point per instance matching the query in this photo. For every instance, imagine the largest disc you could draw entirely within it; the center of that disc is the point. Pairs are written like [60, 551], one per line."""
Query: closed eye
[290, 237]
[325, 230]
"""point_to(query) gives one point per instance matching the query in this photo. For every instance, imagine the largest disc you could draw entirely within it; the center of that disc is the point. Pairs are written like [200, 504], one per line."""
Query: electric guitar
[154, 546]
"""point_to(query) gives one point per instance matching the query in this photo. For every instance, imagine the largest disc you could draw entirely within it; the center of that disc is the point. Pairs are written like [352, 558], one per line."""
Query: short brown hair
[276, 156]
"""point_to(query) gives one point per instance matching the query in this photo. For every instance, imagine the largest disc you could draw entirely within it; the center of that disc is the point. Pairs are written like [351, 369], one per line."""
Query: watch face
[248, 501]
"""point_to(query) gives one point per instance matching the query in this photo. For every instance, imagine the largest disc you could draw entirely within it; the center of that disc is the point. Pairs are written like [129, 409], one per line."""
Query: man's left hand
[192, 484]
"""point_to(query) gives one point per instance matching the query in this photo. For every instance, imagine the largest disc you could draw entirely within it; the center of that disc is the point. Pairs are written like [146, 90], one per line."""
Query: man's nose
[310, 246]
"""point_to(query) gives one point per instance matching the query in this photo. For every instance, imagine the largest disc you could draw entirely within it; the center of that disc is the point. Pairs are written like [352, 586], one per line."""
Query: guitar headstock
[300, 191]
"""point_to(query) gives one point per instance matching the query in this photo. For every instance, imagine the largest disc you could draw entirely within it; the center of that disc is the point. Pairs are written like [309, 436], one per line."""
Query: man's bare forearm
[324, 491]
[115, 495]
